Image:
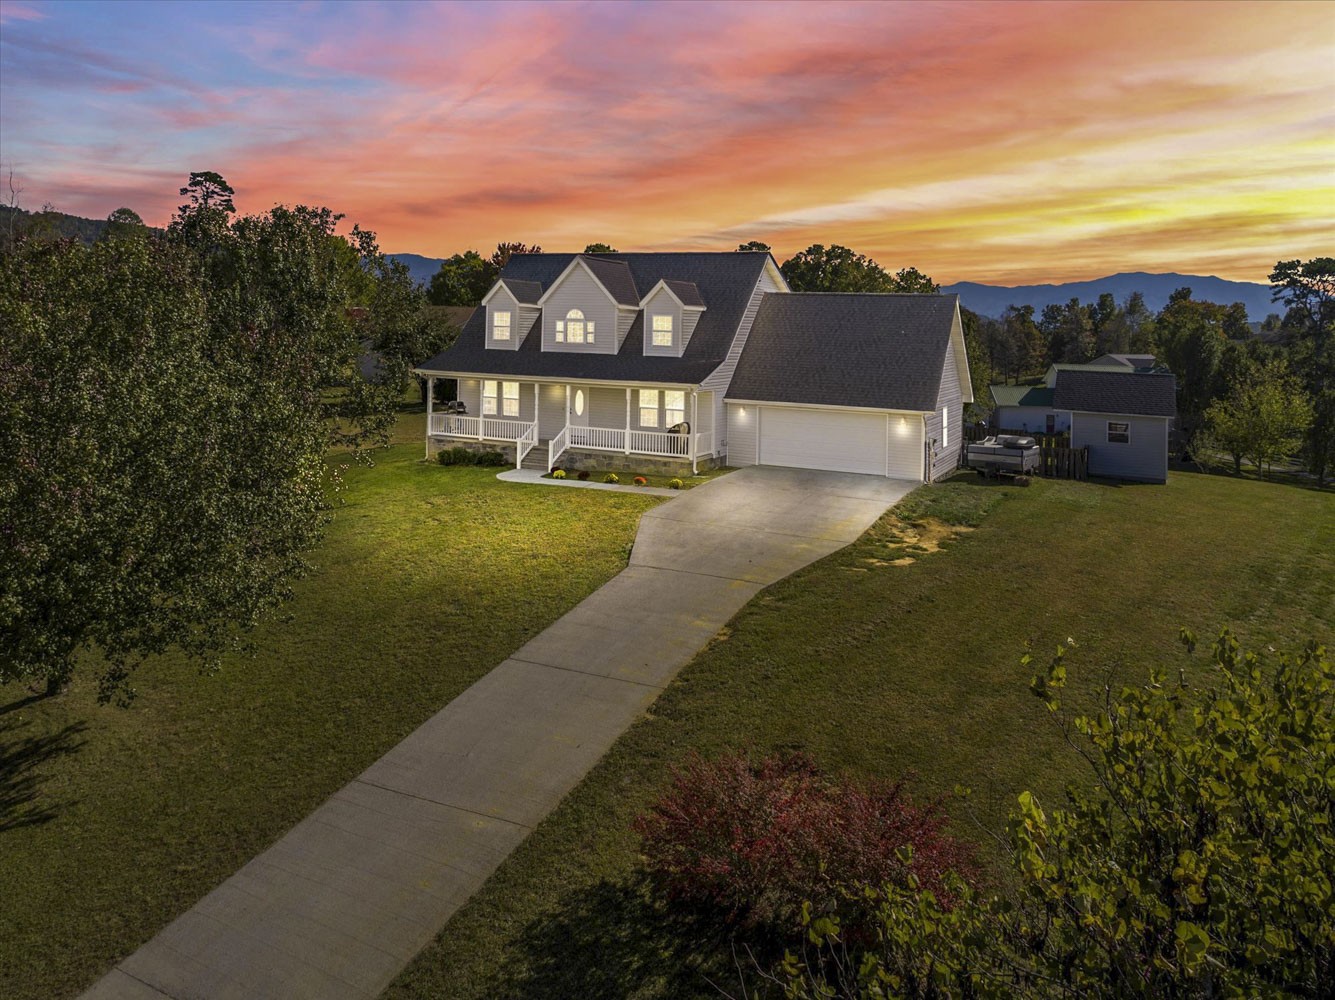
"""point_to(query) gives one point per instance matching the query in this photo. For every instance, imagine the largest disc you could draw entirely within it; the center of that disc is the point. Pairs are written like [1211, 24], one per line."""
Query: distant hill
[992, 300]
[75, 227]
[421, 268]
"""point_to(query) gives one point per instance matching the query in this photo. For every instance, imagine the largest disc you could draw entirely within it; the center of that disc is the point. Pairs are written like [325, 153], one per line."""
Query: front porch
[543, 422]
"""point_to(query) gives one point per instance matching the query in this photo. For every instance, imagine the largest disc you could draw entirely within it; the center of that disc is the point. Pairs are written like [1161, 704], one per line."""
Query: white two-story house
[690, 360]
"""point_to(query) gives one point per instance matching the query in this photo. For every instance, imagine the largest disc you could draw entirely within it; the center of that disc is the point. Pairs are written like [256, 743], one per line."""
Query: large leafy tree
[1194, 861]
[1263, 418]
[753, 246]
[1191, 343]
[600, 248]
[1307, 288]
[504, 251]
[166, 405]
[462, 280]
[1069, 332]
[838, 269]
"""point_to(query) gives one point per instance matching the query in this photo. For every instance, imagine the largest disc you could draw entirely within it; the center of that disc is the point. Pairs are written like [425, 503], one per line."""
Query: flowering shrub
[558, 473]
[641, 481]
[758, 838]
[583, 475]
[611, 477]
[674, 484]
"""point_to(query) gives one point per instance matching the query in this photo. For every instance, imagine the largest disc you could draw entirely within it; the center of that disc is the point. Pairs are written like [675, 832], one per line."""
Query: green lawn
[114, 821]
[876, 666]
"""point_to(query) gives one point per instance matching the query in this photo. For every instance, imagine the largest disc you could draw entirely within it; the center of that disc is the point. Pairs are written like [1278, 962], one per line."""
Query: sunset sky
[998, 142]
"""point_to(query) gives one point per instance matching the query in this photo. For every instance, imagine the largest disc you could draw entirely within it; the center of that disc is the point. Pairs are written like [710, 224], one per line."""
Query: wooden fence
[1057, 459]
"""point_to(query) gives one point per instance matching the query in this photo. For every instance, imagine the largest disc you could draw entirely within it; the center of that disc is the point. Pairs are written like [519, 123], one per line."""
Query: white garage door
[823, 439]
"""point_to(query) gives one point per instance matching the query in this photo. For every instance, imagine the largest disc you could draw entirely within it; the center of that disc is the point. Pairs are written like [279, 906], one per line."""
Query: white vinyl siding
[720, 378]
[502, 312]
[1144, 457]
[1030, 419]
[578, 291]
[943, 425]
[742, 427]
[661, 310]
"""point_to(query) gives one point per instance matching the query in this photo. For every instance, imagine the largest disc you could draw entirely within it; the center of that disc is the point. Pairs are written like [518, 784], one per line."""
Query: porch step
[537, 458]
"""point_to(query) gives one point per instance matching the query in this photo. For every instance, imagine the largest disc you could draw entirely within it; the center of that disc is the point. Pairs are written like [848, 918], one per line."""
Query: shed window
[662, 331]
[1119, 432]
[575, 329]
[674, 407]
[648, 407]
[500, 325]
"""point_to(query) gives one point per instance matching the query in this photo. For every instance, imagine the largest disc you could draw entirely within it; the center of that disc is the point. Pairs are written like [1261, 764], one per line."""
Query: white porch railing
[454, 425]
[525, 443]
[482, 428]
[704, 443]
[660, 443]
[557, 445]
[598, 438]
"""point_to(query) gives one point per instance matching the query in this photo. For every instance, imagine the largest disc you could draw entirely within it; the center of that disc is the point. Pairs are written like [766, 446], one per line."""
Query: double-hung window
[648, 407]
[945, 427]
[1119, 432]
[574, 329]
[674, 407]
[662, 331]
[506, 394]
[500, 325]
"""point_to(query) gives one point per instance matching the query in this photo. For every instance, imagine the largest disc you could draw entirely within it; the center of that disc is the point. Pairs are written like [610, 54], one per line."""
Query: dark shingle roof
[883, 351]
[527, 292]
[1021, 395]
[686, 291]
[1150, 394]
[724, 280]
[615, 276]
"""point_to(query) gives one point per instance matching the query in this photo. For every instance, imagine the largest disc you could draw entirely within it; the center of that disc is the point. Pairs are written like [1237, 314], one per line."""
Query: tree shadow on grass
[21, 760]
[612, 940]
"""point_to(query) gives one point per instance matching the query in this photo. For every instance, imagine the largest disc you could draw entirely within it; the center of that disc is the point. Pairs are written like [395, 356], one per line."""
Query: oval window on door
[579, 402]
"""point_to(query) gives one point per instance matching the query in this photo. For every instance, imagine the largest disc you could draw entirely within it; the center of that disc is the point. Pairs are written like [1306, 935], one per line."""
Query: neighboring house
[703, 359]
[1026, 408]
[1123, 418]
[1125, 360]
[1031, 408]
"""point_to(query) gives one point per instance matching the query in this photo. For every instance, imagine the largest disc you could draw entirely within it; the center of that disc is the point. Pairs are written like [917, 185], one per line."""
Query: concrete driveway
[343, 901]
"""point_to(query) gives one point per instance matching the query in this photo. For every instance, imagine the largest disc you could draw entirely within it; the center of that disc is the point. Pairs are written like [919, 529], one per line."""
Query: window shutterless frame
[1119, 432]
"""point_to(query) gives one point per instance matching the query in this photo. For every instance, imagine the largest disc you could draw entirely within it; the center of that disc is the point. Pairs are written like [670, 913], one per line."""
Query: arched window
[574, 329]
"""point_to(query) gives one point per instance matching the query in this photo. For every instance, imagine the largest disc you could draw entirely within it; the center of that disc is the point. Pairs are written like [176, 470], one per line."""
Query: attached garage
[834, 440]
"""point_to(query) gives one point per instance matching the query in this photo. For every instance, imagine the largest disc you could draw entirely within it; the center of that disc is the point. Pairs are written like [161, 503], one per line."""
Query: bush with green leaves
[611, 477]
[1196, 862]
[466, 456]
[558, 473]
[674, 484]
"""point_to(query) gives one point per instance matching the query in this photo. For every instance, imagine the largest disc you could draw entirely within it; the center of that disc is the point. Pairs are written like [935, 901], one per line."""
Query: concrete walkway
[339, 905]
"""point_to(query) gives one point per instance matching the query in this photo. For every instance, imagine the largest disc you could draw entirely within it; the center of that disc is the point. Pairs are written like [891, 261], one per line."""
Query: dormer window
[662, 331]
[574, 329]
[500, 325]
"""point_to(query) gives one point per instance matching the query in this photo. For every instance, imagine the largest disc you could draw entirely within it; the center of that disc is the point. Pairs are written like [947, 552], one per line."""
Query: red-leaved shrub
[757, 838]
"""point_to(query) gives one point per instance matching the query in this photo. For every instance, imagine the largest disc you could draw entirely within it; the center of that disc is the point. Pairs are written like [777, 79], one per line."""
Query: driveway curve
[345, 899]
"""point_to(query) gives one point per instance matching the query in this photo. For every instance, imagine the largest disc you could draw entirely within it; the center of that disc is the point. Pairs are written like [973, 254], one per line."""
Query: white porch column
[430, 398]
[627, 420]
[695, 417]
[567, 405]
[535, 407]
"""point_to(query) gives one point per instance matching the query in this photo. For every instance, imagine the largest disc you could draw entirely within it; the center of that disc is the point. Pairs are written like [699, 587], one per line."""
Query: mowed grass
[882, 669]
[115, 821]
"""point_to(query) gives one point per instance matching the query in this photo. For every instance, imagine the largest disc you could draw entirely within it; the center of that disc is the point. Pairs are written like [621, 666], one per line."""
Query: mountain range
[986, 300]
[992, 300]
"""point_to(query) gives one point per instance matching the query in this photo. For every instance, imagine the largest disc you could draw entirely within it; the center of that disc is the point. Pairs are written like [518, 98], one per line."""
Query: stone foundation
[574, 460]
[436, 444]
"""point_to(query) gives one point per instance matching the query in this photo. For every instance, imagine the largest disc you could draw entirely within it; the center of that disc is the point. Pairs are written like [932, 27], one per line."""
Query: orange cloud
[984, 141]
